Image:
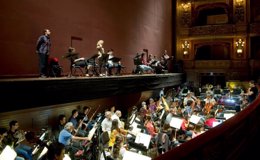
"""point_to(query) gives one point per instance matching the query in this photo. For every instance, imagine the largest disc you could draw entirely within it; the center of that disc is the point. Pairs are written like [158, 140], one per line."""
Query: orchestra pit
[112, 80]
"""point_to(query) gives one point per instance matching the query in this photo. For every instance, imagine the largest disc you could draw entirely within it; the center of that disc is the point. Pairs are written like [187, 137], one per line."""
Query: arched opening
[212, 51]
[217, 13]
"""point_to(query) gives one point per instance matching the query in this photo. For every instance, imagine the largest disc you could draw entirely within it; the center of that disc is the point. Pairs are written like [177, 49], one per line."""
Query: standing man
[252, 91]
[43, 51]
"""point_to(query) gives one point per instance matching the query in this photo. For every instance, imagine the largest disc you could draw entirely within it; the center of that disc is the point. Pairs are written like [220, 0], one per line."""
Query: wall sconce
[239, 2]
[185, 6]
[185, 47]
[240, 46]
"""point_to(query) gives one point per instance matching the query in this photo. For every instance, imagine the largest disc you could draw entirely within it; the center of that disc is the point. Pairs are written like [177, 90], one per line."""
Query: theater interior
[210, 43]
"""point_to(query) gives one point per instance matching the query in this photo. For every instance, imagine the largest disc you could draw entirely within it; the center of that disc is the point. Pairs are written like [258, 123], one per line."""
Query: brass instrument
[166, 106]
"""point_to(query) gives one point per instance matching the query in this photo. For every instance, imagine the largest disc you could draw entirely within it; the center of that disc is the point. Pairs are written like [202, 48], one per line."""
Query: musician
[3, 134]
[14, 137]
[150, 126]
[209, 103]
[56, 151]
[210, 119]
[115, 131]
[68, 139]
[101, 59]
[107, 122]
[143, 110]
[117, 116]
[113, 64]
[209, 100]
[73, 117]
[152, 106]
[60, 126]
[187, 98]
[144, 67]
[162, 64]
[252, 92]
[188, 109]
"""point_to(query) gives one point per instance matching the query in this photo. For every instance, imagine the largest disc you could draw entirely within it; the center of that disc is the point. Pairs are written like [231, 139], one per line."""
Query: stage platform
[22, 93]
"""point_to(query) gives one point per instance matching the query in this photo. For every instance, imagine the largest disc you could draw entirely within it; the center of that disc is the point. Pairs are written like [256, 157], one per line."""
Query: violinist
[150, 126]
[116, 131]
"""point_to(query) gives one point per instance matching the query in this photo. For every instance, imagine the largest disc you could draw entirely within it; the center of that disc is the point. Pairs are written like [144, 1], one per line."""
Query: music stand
[93, 58]
[142, 138]
[71, 57]
[8, 153]
[195, 119]
[115, 59]
[228, 115]
[216, 123]
[176, 123]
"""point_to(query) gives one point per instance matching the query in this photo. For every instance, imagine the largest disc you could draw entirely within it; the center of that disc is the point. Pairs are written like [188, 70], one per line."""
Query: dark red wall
[125, 26]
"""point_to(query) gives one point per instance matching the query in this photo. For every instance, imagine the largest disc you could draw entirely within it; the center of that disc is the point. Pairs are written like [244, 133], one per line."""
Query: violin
[207, 108]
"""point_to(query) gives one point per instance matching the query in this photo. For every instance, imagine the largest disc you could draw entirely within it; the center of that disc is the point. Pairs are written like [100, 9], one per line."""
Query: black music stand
[71, 57]
[115, 59]
[92, 59]
[103, 61]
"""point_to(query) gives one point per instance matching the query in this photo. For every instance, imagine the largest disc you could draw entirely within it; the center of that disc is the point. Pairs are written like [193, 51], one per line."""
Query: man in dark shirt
[43, 51]
[252, 92]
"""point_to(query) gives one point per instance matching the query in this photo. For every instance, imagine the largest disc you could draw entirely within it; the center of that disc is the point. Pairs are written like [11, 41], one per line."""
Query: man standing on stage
[43, 51]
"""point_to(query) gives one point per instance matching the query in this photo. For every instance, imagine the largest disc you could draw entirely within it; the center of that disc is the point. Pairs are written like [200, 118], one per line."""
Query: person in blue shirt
[68, 139]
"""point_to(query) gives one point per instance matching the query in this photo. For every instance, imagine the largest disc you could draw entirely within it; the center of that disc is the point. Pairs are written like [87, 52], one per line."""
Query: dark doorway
[213, 78]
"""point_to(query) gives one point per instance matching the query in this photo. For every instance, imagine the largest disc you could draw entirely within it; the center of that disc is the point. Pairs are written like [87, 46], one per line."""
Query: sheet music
[228, 115]
[215, 124]
[195, 119]
[176, 122]
[8, 153]
[143, 139]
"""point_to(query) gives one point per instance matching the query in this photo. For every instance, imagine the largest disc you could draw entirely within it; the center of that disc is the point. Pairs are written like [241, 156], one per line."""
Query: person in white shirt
[106, 124]
[117, 116]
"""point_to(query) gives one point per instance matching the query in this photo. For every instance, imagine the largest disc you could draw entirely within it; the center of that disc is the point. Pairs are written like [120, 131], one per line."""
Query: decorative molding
[217, 64]
[212, 30]
[239, 14]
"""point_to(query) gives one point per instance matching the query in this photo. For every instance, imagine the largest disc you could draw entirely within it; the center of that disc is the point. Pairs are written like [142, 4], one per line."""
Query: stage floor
[35, 92]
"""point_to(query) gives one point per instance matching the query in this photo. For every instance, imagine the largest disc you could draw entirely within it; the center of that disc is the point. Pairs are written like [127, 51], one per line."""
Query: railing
[236, 138]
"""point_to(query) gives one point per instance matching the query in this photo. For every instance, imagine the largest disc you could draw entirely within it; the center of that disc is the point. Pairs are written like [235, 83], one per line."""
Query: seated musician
[69, 140]
[56, 151]
[144, 67]
[107, 122]
[162, 64]
[113, 63]
[3, 134]
[115, 131]
[150, 126]
[210, 119]
[15, 137]
[209, 103]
